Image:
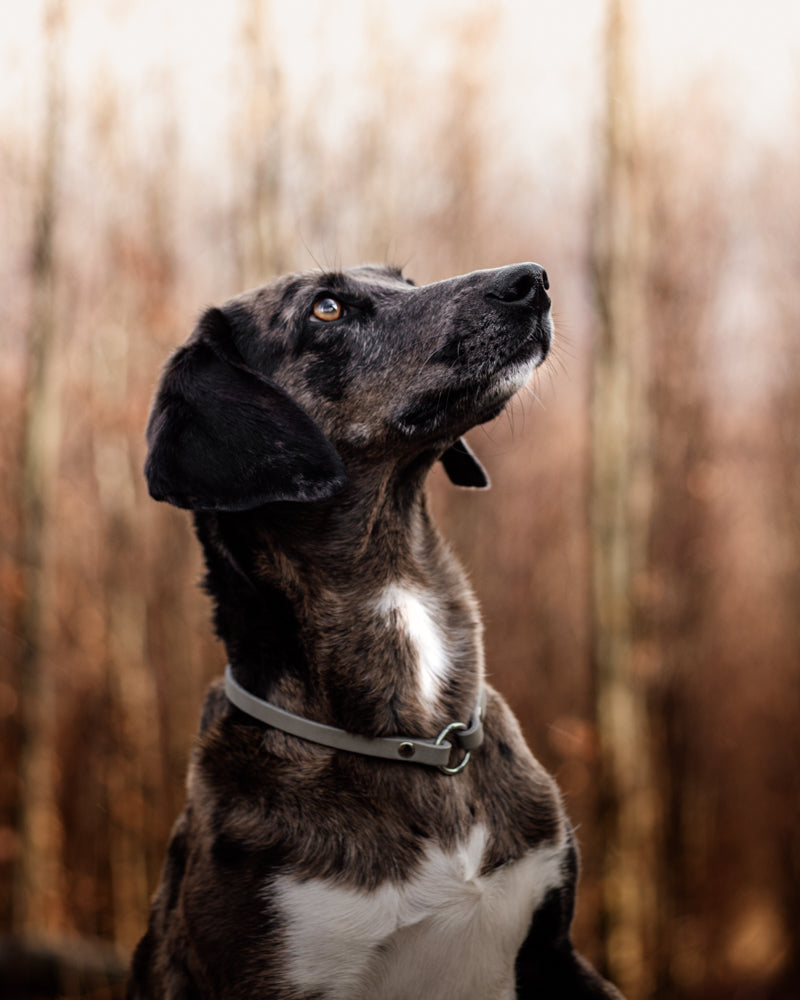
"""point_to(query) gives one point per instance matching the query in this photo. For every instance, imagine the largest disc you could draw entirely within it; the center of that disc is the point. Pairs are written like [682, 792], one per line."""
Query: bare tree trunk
[620, 505]
[136, 757]
[37, 871]
[688, 209]
[786, 514]
[463, 152]
[258, 149]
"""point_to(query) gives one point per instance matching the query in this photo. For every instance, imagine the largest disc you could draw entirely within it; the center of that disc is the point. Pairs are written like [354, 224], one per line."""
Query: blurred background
[638, 559]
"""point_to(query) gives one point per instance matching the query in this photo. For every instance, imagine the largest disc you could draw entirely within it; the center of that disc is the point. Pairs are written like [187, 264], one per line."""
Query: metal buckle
[441, 738]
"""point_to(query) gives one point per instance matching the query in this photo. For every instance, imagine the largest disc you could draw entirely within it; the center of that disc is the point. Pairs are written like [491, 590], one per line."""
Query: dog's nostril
[517, 282]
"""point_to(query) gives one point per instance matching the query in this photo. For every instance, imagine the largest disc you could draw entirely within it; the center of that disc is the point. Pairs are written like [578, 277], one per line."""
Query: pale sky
[543, 58]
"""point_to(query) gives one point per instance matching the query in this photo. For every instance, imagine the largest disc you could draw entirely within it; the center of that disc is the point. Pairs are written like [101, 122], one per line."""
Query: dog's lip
[509, 374]
[538, 339]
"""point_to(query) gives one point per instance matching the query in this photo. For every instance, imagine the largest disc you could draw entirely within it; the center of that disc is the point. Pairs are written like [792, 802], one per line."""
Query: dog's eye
[328, 309]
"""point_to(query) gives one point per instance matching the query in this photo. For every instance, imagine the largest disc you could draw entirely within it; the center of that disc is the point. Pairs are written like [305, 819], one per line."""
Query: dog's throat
[415, 616]
[442, 752]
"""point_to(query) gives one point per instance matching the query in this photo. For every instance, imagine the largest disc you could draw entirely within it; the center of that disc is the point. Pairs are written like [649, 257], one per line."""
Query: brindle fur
[302, 447]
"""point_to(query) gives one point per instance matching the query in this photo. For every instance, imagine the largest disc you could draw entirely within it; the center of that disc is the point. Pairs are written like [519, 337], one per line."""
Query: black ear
[463, 467]
[224, 437]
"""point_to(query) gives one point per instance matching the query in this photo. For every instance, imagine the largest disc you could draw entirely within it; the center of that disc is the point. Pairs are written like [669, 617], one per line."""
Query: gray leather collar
[434, 753]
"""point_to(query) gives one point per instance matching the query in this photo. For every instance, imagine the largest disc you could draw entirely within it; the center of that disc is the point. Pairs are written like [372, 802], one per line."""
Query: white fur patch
[358, 434]
[520, 375]
[416, 616]
[448, 933]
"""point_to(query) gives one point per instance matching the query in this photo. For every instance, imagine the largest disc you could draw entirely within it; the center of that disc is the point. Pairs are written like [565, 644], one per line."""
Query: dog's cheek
[358, 434]
[326, 376]
[439, 409]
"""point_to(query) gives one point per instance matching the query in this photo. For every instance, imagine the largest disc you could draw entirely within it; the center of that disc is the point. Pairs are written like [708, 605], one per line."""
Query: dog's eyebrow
[291, 289]
[370, 279]
[331, 279]
[335, 281]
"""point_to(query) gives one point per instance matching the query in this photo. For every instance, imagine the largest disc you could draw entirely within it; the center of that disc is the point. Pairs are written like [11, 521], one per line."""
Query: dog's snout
[523, 283]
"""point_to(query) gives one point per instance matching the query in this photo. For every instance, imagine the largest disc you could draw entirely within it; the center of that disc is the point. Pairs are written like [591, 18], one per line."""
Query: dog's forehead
[281, 294]
[379, 275]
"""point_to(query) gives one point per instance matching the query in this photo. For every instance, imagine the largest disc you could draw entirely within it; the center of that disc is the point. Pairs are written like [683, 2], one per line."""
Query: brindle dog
[299, 423]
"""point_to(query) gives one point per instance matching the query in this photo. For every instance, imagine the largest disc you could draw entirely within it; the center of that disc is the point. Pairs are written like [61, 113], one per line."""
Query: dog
[363, 816]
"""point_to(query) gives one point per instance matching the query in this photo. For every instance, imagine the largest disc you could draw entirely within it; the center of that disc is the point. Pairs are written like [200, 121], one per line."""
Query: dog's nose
[520, 283]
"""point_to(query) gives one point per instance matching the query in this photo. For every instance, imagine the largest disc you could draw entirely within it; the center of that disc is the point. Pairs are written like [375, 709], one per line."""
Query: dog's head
[277, 393]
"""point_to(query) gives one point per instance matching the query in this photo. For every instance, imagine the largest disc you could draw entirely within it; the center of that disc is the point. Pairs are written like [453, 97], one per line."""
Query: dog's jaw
[516, 379]
[531, 354]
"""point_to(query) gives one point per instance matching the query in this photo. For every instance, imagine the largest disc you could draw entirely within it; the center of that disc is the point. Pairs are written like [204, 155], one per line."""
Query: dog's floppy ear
[463, 468]
[224, 437]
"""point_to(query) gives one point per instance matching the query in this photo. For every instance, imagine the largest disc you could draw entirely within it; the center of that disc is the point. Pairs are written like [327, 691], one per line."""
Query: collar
[434, 753]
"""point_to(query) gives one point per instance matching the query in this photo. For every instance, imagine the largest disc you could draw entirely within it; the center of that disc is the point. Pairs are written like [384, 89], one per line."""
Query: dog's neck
[353, 612]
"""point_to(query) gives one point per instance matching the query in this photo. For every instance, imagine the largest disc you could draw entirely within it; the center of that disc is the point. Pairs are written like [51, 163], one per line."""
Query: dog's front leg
[547, 965]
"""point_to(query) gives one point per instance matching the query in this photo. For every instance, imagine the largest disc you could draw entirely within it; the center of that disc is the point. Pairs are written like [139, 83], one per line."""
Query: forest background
[638, 559]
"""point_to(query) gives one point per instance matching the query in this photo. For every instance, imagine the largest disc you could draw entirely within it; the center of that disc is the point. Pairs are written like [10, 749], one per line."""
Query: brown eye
[328, 308]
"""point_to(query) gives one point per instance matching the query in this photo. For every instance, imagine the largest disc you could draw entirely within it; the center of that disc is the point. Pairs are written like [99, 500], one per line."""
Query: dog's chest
[447, 933]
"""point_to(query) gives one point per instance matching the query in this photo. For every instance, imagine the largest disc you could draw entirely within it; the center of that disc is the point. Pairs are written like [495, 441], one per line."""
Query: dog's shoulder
[215, 706]
[521, 801]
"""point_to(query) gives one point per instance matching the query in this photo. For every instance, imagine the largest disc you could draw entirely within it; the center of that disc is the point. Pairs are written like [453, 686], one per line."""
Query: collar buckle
[453, 727]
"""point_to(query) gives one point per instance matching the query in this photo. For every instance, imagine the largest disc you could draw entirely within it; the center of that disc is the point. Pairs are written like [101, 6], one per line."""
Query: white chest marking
[415, 614]
[448, 933]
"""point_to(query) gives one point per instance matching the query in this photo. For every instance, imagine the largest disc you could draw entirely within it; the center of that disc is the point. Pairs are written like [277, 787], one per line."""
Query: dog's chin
[475, 401]
[490, 401]
[517, 377]
[519, 369]
[493, 401]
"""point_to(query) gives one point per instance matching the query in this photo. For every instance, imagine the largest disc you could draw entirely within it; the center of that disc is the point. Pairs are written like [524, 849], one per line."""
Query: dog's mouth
[512, 375]
[476, 396]
[534, 348]
[509, 372]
